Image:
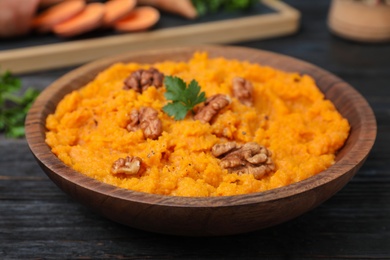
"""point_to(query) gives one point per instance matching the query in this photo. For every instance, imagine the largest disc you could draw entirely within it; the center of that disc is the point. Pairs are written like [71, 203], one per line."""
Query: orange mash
[289, 116]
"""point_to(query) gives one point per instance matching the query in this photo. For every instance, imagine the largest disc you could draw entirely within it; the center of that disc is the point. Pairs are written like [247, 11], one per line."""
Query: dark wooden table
[37, 220]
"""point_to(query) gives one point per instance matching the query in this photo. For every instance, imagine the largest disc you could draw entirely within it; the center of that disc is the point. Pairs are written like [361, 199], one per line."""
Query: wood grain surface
[38, 221]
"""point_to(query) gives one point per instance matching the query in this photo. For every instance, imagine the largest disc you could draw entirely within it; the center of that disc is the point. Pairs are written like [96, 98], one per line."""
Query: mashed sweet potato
[289, 116]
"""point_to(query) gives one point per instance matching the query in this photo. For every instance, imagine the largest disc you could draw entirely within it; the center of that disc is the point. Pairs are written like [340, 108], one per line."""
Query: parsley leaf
[14, 107]
[176, 109]
[184, 98]
[204, 7]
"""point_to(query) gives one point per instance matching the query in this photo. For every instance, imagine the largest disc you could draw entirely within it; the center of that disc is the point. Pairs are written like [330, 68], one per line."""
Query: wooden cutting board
[269, 18]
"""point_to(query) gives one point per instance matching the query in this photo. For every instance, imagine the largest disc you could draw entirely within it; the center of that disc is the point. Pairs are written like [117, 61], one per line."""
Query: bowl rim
[35, 135]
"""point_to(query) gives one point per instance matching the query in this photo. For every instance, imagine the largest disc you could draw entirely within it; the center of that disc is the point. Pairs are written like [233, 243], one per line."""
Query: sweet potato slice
[116, 10]
[46, 3]
[184, 8]
[89, 19]
[45, 21]
[140, 19]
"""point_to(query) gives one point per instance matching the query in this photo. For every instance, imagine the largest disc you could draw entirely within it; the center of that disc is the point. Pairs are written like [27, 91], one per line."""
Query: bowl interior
[346, 99]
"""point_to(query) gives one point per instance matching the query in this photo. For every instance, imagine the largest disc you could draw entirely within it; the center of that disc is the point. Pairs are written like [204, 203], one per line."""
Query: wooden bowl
[206, 216]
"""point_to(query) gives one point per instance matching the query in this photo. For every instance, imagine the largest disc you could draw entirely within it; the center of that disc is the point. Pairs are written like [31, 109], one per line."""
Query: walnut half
[211, 108]
[250, 158]
[130, 165]
[141, 79]
[146, 118]
[243, 90]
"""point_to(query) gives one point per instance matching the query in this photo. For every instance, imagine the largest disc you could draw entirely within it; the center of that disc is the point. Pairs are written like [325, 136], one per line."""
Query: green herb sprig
[204, 7]
[14, 107]
[184, 98]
